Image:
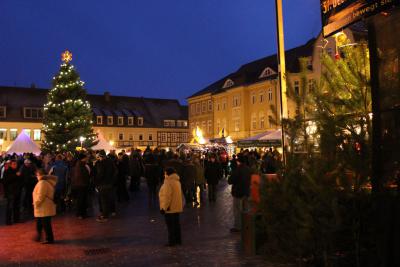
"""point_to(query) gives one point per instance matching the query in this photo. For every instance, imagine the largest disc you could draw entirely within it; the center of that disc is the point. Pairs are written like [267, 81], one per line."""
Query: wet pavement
[135, 237]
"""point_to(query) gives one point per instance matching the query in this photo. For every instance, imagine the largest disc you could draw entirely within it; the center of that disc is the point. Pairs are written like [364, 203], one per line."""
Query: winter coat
[136, 167]
[28, 175]
[60, 170]
[105, 173]
[240, 181]
[199, 177]
[171, 195]
[12, 182]
[152, 174]
[189, 175]
[213, 172]
[81, 175]
[43, 196]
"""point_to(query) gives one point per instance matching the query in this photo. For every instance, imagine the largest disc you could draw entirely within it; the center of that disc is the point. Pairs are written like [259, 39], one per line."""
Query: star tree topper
[66, 56]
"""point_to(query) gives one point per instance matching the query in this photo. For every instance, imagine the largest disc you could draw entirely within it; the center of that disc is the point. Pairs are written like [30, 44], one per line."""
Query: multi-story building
[124, 121]
[247, 102]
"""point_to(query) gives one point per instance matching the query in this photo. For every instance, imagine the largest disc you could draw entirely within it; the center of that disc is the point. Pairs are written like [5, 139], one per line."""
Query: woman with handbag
[44, 206]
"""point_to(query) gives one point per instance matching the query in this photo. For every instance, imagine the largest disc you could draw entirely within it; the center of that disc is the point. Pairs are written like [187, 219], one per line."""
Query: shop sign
[337, 14]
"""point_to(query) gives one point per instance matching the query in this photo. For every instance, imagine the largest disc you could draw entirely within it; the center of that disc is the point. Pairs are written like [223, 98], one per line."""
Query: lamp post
[82, 139]
[281, 69]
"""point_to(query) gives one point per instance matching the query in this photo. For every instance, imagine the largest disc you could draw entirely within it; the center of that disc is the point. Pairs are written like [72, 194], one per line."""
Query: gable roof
[250, 73]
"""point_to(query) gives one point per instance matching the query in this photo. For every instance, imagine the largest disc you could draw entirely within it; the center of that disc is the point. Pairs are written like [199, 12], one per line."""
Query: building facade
[125, 122]
[247, 102]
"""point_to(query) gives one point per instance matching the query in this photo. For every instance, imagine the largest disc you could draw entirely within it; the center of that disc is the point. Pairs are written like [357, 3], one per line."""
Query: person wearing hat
[105, 175]
[80, 181]
[240, 181]
[171, 205]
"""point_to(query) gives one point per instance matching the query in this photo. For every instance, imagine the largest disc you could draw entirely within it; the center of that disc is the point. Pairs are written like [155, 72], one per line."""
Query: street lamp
[82, 139]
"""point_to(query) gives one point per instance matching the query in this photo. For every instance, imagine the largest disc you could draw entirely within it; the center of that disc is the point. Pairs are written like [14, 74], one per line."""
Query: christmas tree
[67, 115]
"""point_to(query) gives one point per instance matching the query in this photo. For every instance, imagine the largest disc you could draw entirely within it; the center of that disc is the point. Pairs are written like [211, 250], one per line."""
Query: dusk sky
[151, 48]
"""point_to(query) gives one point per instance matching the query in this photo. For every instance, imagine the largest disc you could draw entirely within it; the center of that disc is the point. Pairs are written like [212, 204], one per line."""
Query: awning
[267, 139]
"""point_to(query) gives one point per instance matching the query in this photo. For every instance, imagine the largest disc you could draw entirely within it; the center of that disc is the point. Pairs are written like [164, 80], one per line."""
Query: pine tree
[67, 115]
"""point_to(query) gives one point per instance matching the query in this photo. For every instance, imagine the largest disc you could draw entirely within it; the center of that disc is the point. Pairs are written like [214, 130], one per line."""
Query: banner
[337, 14]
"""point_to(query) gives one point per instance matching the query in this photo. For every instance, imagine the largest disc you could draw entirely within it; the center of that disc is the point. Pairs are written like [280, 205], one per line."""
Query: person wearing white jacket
[44, 206]
[171, 205]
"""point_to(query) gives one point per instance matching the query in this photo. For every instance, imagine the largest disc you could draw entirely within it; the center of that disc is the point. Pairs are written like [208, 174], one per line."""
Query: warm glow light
[1, 142]
[112, 143]
[82, 138]
[229, 140]
[198, 136]
[66, 56]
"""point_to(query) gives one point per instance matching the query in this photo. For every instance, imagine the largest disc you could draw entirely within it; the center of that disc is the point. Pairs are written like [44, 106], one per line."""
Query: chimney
[107, 96]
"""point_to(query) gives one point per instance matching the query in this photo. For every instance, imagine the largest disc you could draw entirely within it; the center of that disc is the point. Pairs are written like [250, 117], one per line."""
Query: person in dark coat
[60, 170]
[136, 169]
[12, 190]
[105, 173]
[240, 181]
[123, 169]
[188, 182]
[28, 173]
[152, 178]
[213, 173]
[80, 182]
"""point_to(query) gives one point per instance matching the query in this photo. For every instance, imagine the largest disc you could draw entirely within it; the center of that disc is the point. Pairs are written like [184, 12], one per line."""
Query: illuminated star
[66, 56]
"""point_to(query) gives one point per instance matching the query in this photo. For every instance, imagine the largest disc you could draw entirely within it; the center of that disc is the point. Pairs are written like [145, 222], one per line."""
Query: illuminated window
[3, 134]
[110, 120]
[99, 120]
[13, 134]
[163, 137]
[140, 121]
[130, 121]
[33, 113]
[120, 136]
[28, 132]
[169, 123]
[120, 120]
[36, 135]
[236, 101]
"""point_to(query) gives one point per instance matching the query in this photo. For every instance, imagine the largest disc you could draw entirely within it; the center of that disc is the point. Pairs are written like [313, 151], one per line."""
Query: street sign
[337, 14]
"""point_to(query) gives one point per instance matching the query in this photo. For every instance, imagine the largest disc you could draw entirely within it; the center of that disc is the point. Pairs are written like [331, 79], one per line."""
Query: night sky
[151, 48]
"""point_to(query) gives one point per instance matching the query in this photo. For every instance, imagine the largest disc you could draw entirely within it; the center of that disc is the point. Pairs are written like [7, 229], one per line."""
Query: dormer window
[3, 112]
[267, 72]
[120, 120]
[140, 121]
[99, 120]
[169, 123]
[228, 83]
[130, 121]
[110, 120]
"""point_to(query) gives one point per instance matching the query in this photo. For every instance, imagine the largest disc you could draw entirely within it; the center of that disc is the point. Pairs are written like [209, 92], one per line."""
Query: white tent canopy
[23, 144]
[102, 144]
[268, 138]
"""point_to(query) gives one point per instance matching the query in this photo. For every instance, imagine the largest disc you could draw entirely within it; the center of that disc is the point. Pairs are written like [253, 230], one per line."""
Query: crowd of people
[41, 186]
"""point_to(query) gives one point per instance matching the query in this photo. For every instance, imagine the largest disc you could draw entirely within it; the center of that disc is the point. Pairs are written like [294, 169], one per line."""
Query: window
[218, 126]
[224, 104]
[99, 120]
[174, 137]
[228, 83]
[237, 125]
[203, 106]
[130, 137]
[254, 121]
[181, 123]
[3, 134]
[297, 87]
[37, 135]
[150, 137]
[121, 137]
[130, 121]
[218, 106]
[253, 98]
[198, 108]
[209, 127]
[261, 97]
[311, 83]
[120, 120]
[262, 120]
[169, 123]
[192, 126]
[140, 137]
[140, 121]
[210, 106]
[236, 101]
[270, 94]
[33, 113]
[203, 125]
[28, 132]
[267, 72]
[184, 137]
[3, 112]
[110, 120]
[192, 109]
[163, 137]
[13, 134]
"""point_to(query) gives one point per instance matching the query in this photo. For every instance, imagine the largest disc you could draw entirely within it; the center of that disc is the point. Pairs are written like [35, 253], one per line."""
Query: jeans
[239, 206]
[174, 228]
[44, 222]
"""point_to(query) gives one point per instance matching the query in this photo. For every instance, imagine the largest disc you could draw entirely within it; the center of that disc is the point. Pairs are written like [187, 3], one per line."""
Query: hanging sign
[337, 14]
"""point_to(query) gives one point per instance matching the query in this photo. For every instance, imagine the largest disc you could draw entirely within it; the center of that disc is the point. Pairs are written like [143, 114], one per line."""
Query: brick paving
[135, 237]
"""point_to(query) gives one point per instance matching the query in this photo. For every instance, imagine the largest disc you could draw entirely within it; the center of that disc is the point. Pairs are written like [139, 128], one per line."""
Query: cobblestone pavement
[135, 237]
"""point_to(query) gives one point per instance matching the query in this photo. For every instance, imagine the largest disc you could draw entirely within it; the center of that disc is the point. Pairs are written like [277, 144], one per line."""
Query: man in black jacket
[240, 181]
[12, 189]
[213, 173]
[105, 173]
[80, 182]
